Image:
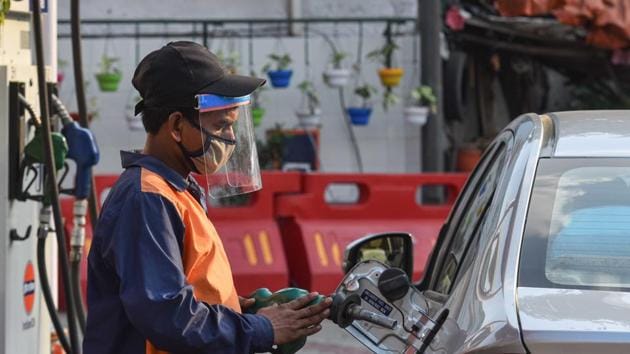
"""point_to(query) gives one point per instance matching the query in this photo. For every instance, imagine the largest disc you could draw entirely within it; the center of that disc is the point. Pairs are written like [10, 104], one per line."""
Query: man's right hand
[293, 320]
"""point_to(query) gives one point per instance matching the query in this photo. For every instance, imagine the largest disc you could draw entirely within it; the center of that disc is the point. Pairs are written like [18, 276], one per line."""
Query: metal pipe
[245, 21]
[51, 175]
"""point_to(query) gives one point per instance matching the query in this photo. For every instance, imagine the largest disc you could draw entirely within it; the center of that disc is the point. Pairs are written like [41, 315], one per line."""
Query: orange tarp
[607, 21]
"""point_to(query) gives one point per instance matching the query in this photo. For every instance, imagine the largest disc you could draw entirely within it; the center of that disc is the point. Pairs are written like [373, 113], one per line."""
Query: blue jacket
[158, 276]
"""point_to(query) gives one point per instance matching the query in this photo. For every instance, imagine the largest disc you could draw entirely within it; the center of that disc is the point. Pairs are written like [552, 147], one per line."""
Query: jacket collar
[137, 159]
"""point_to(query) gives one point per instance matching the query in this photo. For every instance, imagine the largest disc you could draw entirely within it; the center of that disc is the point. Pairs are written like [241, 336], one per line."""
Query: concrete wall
[387, 144]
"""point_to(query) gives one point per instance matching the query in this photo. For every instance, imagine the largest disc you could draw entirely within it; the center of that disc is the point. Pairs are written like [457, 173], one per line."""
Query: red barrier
[316, 232]
[103, 184]
[251, 236]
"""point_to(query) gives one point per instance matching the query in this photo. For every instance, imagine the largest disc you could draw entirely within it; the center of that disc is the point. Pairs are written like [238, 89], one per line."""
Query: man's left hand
[246, 302]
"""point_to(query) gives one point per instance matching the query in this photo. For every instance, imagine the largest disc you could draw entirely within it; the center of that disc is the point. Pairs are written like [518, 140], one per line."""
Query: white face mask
[216, 157]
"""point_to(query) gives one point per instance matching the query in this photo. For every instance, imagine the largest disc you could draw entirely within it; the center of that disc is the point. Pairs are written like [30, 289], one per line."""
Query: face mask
[215, 157]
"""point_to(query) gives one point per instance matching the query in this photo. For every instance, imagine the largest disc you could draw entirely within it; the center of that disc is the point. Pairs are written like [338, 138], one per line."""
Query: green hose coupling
[264, 297]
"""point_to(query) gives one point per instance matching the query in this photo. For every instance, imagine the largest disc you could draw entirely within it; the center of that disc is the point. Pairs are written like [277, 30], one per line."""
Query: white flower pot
[416, 115]
[309, 119]
[133, 122]
[336, 77]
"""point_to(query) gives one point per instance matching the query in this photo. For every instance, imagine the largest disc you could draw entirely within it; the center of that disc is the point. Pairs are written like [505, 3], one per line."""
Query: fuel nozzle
[347, 309]
[264, 297]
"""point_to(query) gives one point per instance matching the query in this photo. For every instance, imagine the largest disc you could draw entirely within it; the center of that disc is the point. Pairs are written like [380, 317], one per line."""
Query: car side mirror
[392, 249]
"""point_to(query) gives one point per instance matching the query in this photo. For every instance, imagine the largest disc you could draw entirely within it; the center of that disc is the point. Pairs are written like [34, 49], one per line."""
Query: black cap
[172, 75]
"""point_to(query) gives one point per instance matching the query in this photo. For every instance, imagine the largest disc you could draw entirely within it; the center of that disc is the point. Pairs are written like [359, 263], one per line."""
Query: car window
[472, 217]
[578, 226]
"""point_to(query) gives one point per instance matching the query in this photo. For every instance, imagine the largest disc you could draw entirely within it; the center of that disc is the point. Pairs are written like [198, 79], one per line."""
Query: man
[159, 279]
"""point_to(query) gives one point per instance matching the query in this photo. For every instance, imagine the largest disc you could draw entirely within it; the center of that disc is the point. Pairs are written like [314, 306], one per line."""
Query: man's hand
[292, 320]
[246, 302]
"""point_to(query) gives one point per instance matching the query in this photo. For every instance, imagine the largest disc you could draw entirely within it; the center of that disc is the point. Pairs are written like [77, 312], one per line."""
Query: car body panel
[567, 320]
[489, 313]
[483, 305]
[592, 133]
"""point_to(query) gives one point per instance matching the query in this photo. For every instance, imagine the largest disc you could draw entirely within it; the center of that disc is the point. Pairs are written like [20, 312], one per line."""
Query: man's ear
[175, 125]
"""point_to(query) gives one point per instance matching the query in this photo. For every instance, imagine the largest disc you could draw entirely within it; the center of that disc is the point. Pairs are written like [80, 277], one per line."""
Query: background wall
[387, 144]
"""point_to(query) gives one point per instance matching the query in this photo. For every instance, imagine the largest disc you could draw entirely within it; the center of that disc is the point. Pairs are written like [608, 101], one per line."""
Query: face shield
[229, 160]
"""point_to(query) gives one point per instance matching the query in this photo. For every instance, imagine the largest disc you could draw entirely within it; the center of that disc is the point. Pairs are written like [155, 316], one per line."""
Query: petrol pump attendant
[158, 277]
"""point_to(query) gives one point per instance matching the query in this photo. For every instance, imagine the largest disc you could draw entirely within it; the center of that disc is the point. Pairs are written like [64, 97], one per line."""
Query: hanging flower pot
[336, 75]
[108, 82]
[422, 103]
[310, 118]
[134, 122]
[60, 77]
[309, 114]
[359, 115]
[257, 115]
[109, 75]
[390, 77]
[362, 110]
[416, 114]
[336, 78]
[281, 76]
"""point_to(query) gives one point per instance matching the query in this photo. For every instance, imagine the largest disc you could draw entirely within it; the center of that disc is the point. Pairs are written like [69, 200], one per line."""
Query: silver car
[535, 255]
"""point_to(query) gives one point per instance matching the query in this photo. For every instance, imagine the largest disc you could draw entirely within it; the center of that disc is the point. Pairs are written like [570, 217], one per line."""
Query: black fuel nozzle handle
[357, 313]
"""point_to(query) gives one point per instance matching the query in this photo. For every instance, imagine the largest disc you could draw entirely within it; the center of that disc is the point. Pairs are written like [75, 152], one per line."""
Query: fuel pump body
[24, 322]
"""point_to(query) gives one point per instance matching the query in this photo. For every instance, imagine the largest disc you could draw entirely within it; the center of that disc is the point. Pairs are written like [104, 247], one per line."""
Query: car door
[456, 248]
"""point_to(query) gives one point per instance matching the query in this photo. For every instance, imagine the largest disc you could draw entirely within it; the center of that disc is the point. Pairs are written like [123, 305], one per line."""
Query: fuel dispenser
[25, 325]
[31, 173]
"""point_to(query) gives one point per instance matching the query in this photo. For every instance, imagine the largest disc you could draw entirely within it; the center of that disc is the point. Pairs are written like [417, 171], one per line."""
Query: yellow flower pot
[390, 77]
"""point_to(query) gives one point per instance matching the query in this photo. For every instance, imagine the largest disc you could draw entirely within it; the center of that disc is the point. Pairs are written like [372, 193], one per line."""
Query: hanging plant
[336, 75]
[309, 113]
[134, 122]
[360, 114]
[390, 76]
[109, 75]
[231, 61]
[281, 76]
[4, 9]
[422, 102]
[258, 111]
[61, 65]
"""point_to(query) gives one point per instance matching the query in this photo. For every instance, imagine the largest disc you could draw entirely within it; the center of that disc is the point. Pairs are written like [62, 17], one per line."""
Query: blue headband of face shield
[208, 102]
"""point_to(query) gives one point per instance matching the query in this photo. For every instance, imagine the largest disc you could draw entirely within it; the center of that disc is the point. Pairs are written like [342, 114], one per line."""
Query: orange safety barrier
[315, 232]
[251, 236]
[103, 183]
[249, 232]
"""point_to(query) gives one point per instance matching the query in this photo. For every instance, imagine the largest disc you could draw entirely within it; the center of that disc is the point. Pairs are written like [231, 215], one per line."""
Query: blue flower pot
[359, 116]
[280, 78]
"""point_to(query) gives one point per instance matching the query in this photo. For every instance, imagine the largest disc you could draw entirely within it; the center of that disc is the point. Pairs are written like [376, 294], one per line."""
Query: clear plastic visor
[230, 160]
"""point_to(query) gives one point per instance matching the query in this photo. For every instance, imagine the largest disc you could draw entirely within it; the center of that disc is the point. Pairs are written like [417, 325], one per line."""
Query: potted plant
[61, 65]
[390, 76]
[258, 111]
[422, 102]
[336, 75]
[109, 75]
[281, 76]
[133, 121]
[231, 60]
[310, 112]
[360, 114]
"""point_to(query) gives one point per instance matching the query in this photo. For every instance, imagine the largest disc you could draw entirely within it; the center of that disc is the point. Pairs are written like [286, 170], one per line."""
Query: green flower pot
[108, 82]
[257, 115]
